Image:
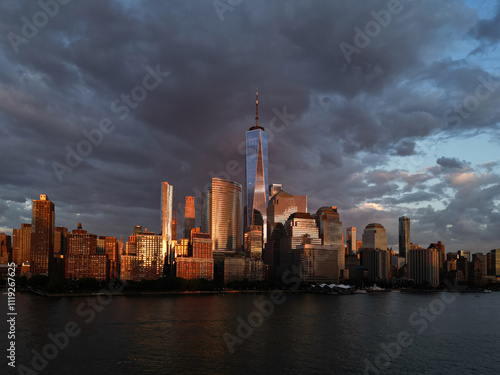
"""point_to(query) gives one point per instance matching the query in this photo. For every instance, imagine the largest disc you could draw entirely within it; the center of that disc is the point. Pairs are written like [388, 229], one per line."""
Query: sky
[381, 108]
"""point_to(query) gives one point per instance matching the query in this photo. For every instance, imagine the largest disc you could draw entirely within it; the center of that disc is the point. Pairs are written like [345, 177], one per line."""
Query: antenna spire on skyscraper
[257, 107]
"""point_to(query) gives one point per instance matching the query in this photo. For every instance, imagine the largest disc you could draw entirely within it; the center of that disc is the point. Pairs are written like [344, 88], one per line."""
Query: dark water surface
[316, 334]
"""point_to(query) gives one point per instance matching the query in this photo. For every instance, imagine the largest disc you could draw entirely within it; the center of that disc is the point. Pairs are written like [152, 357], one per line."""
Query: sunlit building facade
[167, 192]
[351, 240]
[42, 239]
[82, 259]
[375, 237]
[144, 259]
[21, 242]
[225, 215]
[256, 175]
[189, 216]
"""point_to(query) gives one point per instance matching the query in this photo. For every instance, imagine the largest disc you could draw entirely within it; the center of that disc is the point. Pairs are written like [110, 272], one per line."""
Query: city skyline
[380, 136]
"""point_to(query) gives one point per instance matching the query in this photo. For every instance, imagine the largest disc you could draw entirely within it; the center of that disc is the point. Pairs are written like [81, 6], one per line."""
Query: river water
[385, 333]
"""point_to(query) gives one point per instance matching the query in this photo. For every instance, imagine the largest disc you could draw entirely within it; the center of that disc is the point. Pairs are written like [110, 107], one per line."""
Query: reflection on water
[305, 334]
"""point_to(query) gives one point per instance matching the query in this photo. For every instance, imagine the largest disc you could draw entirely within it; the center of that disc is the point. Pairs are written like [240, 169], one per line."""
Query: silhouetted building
[423, 266]
[404, 237]
[479, 268]
[378, 264]
[60, 241]
[5, 248]
[330, 232]
[319, 263]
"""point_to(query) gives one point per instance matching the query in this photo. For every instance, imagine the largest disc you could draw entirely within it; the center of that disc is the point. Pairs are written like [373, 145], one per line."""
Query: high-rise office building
[167, 193]
[60, 240]
[378, 264]
[351, 240]
[205, 212]
[404, 237]
[274, 189]
[256, 177]
[21, 244]
[82, 259]
[319, 263]
[281, 205]
[189, 216]
[330, 232]
[42, 240]
[329, 225]
[144, 259]
[423, 266]
[464, 254]
[5, 248]
[225, 215]
[375, 237]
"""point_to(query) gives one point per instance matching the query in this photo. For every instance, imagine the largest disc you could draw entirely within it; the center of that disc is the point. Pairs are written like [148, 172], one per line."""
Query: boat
[375, 288]
[360, 291]
[486, 291]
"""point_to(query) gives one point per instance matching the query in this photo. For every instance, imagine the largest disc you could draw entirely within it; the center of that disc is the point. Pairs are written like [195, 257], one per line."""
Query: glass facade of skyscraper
[256, 177]
[226, 231]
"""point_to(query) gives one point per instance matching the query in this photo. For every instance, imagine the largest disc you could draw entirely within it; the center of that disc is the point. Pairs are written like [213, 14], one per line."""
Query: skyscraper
[205, 212]
[351, 240]
[256, 178]
[42, 235]
[423, 266]
[22, 244]
[375, 237]
[167, 192]
[189, 216]
[225, 215]
[82, 259]
[404, 237]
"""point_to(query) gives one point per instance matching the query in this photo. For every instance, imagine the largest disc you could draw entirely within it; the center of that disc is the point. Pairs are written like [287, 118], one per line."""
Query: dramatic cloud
[103, 100]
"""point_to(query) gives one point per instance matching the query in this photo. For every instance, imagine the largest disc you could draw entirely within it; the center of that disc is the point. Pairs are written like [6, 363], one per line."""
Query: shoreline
[159, 293]
[214, 292]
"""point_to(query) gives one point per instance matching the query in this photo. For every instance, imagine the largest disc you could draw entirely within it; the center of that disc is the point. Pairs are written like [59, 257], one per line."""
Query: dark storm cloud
[450, 162]
[347, 120]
